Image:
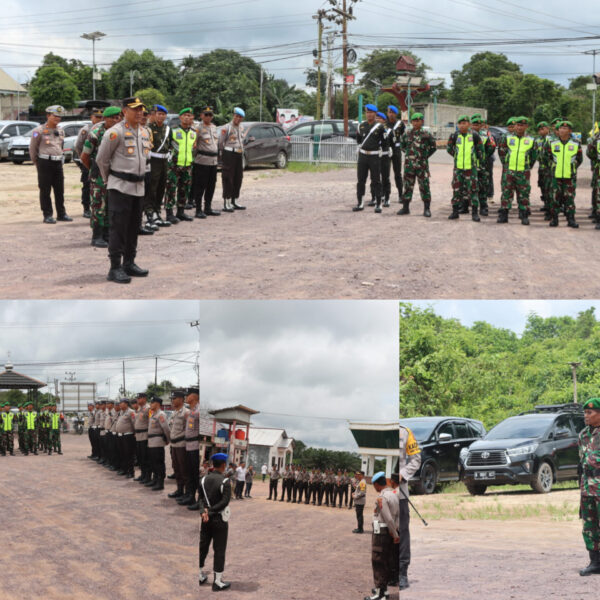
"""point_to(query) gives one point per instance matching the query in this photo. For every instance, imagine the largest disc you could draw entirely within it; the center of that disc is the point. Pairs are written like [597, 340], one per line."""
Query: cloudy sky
[306, 366]
[282, 34]
[509, 314]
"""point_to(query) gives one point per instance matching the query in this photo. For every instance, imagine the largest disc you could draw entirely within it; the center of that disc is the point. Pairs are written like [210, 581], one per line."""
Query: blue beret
[239, 111]
[160, 108]
[371, 107]
[379, 475]
[393, 108]
[382, 115]
[219, 456]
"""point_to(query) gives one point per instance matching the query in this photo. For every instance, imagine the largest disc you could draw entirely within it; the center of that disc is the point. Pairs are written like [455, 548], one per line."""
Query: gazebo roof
[11, 380]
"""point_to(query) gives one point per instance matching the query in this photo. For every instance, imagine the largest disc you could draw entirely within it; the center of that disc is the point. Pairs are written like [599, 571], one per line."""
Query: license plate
[20, 152]
[485, 474]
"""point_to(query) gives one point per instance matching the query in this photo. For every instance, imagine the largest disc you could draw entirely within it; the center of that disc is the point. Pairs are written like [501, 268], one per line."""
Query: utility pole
[96, 35]
[261, 94]
[155, 370]
[317, 54]
[124, 388]
[574, 366]
[594, 85]
[328, 86]
[196, 325]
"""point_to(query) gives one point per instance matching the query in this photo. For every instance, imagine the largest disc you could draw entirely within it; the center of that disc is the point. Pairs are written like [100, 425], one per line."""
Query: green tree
[380, 65]
[151, 96]
[53, 85]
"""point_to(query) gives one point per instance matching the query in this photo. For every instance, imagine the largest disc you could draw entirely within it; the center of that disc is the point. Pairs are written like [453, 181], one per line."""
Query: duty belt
[204, 153]
[193, 439]
[127, 176]
[160, 435]
[141, 430]
[230, 149]
[369, 152]
[177, 440]
[122, 434]
[159, 155]
[50, 156]
[100, 428]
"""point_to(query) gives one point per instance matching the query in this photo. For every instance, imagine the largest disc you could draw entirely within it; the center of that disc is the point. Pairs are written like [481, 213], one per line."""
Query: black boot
[159, 485]
[117, 273]
[464, 208]
[503, 216]
[571, 222]
[195, 506]
[182, 216]
[208, 209]
[594, 567]
[483, 210]
[403, 581]
[386, 200]
[405, 210]
[199, 214]
[455, 212]
[523, 217]
[150, 483]
[378, 207]
[97, 240]
[237, 206]
[426, 209]
[372, 202]
[475, 215]
[177, 493]
[171, 218]
[360, 205]
[133, 270]
[553, 219]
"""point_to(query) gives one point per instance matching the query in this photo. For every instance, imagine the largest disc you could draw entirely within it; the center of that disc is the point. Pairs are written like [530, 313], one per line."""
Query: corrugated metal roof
[11, 380]
[8, 84]
[265, 436]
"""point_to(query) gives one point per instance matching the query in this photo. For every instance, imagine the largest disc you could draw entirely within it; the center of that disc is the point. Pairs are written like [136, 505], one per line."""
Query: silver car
[10, 129]
[71, 129]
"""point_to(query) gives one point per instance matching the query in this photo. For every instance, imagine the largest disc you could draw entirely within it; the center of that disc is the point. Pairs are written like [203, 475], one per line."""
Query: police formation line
[383, 138]
[131, 433]
[133, 164]
[35, 431]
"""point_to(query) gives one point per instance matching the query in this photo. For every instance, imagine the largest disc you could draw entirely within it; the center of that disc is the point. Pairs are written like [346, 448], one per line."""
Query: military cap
[219, 456]
[239, 111]
[193, 390]
[393, 109]
[463, 118]
[185, 110]
[522, 120]
[126, 400]
[371, 108]
[132, 102]
[207, 110]
[157, 399]
[476, 116]
[111, 111]
[160, 108]
[110, 402]
[379, 477]
[417, 116]
[381, 115]
[476, 120]
[177, 394]
[556, 120]
[565, 122]
[97, 112]
[593, 404]
[142, 395]
[542, 124]
[56, 109]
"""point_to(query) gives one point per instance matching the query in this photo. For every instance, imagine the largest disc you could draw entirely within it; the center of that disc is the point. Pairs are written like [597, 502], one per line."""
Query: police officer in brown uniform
[125, 430]
[158, 437]
[205, 165]
[177, 428]
[142, 416]
[192, 449]
[95, 117]
[231, 148]
[121, 159]
[46, 152]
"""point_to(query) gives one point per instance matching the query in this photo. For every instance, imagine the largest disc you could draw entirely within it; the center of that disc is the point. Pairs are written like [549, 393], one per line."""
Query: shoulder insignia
[36, 133]
[161, 418]
[412, 447]
[46, 131]
[113, 135]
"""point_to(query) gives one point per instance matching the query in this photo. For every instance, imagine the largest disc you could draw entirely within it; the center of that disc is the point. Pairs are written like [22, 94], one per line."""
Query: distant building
[13, 97]
[447, 114]
[270, 446]
[377, 440]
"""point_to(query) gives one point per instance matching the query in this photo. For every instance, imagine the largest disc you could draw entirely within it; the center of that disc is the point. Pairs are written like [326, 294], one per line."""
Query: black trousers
[91, 438]
[85, 185]
[204, 179]
[381, 548]
[215, 531]
[360, 521]
[404, 546]
[192, 458]
[113, 456]
[51, 177]
[157, 462]
[368, 164]
[397, 166]
[239, 488]
[232, 174]
[155, 192]
[125, 220]
[141, 453]
[301, 488]
[273, 488]
[386, 188]
[126, 448]
[490, 169]
[344, 492]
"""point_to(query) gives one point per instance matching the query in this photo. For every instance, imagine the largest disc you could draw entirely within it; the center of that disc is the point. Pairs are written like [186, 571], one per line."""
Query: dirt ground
[300, 239]
[536, 557]
[73, 530]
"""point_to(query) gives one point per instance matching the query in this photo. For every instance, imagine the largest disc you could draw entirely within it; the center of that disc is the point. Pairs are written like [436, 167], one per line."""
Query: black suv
[537, 447]
[441, 440]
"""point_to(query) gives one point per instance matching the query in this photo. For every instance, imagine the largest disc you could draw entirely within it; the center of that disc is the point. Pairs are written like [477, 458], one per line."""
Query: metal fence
[338, 150]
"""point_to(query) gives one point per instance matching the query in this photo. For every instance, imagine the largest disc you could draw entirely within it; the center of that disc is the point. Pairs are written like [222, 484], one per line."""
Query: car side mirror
[251, 139]
[561, 434]
[444, 437]
[5, 135]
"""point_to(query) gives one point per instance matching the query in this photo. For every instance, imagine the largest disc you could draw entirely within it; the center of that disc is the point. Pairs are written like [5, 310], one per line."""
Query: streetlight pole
[595, 84]
[95, 35]
[574, 366]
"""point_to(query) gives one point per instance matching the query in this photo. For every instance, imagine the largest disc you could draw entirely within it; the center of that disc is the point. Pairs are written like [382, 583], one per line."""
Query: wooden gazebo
[11, 380]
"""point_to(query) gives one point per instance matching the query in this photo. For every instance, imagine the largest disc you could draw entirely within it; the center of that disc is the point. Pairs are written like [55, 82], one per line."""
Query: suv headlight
[522, 450]
[10, 145]
[464, 452]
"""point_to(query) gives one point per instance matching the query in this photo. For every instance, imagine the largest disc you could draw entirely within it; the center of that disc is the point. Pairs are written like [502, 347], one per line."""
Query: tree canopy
[53, 85]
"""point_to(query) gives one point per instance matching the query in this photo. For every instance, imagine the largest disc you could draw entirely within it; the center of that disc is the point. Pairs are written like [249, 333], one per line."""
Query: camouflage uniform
[418, 147]
[6, 432]
[544, 171]
[464, 181]
[593, 153]
[179, 177]
[98, 191]
[502, 150]
[589, 454]
[488, 147]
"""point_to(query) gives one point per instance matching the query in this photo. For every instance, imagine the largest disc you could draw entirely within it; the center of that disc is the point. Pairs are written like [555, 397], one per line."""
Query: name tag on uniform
[179, 135]
[571, 147]
[557, 148]
[511, 142]
[470, 138]
[526, 141]
[128, 134]
[458, 140]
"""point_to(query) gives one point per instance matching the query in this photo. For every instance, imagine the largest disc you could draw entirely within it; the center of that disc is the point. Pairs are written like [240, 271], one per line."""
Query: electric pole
[196, 325]
[328, 85]
[319, 16]
[594, 85]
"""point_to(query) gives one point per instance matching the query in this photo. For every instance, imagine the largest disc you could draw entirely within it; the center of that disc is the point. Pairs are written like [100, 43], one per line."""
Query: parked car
[441, 440]
[71, 129]
[18, 148]
[11, 129]
[538, 447]
[497, 132]
[324, 129]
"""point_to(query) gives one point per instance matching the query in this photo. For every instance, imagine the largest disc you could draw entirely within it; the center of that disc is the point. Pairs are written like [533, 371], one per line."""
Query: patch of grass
[460, 488]
[303, 167]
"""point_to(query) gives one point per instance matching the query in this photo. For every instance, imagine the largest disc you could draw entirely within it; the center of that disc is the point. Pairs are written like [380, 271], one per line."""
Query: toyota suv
[537, 447]
[441, 439]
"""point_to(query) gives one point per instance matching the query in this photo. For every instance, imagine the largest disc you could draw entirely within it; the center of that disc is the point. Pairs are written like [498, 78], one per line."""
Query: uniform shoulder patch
[161, 418]
[113, 135]
[36, 134]
[412, 447]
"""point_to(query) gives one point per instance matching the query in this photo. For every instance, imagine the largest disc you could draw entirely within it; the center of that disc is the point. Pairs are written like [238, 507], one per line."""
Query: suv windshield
[421, 429]
[521, 427]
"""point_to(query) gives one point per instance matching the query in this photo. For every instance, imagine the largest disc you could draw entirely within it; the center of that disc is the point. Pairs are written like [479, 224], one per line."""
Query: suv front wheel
[282, 160]
[544, 478]
[476, 489]
[428, 481]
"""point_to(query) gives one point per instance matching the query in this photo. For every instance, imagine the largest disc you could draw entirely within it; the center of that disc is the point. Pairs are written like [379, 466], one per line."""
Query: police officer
[205, 165]
[385, 158]
[274, 476]
[177, 428]
[397, 128]
[589, 455]
[360, 499]
[369, 137]
[125, 430]
[122, 163]
[95, 117]
[192, 449]
[215, 495]
[231, 149]
[142, 416]
[158, 437]
[46, 152]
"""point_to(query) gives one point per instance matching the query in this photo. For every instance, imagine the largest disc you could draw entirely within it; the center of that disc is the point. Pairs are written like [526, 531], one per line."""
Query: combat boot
[523, 217]
[202, 578]
[97, 240]
[186, 500]
[554, 219]
[117, 273]
[455, 212]
[405, 210]
[182, 216]
[237, 206]
[208, 209]
[158, 485]
[594, 567]
[403, 581]
[199, 213]
[177, 493]
[372, 201]
[474, 215]
[483, 210]
[150, 483]
[360, 205]
[171, 218]
[386, 200]
[195, 506]
[426, 209]
[378, 594]
[218, 584]
[464, 208]
[158, 221]
[378, 207]
[571, 222]
[502, 216]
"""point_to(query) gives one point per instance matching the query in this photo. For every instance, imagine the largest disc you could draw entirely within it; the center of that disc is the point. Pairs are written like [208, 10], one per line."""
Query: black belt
[203, 153]
[128, 176]
[194, 439]
[177, 440]
[153, 435]
[141, 430]
[100, 428]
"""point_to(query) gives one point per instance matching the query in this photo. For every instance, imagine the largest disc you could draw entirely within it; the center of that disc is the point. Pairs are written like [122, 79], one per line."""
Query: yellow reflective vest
[7, 419]
[55, 419]
[518, 149]
[464, 151]
[183, 142]
[564, 158]
[30, 418]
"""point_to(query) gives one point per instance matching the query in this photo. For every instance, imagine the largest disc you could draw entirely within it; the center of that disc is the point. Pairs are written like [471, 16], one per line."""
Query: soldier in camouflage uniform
[593, 153]
[98, 192]
[397, 128]
[488, 148]
[54, 421]
[6, 430]
[44, 429]
[564, 154]
[518, 155]
[544, 174]
[465, 147]
[589, 455]
[418, 146]
[502, 149]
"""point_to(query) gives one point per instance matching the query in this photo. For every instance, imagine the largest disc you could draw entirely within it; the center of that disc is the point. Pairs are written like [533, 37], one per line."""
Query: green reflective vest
[30, 418]
[564, 157]
[184, 143]
[518, 148]
[55, 417]
[464, 154]
[7, 419]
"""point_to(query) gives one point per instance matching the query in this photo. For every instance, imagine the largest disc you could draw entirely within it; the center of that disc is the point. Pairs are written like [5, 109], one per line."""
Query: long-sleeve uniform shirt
[370, 137]
[589, 455]
[215, 493]
[387, 511]
[418, 147]
[158, 430]
[410, 457]
[177, 427]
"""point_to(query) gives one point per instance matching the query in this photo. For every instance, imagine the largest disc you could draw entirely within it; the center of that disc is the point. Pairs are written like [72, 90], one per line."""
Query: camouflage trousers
[179, 186]
[464, 187]
[503, 185]
[6, 441]
[422, 177]
[563, 195]
[30, 439]
[590, 514]
[545, 185]
[98, 198]
[595, 190]
[516, 182]
[54, 440]
[43, 438]
[483, 182]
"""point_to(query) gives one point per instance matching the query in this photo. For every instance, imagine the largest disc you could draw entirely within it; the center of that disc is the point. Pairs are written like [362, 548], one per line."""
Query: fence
[338, 150]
